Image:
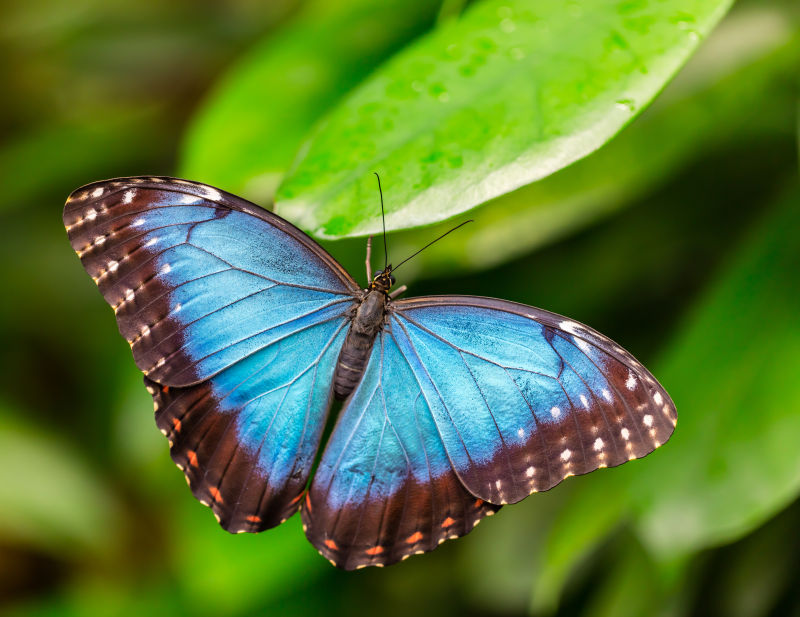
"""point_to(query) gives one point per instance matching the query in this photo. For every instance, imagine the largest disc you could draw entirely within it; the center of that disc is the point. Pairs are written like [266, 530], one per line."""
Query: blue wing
[235, 317]
[496, 398]
[384, 488]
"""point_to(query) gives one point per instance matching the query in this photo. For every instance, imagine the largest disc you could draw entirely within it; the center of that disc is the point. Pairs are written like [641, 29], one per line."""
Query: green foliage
[709, 105]
[506, 95]
[52, 500]
[678, 238]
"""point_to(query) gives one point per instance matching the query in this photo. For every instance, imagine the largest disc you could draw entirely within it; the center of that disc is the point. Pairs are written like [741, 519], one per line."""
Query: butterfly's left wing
[236, 318]
[473, 401]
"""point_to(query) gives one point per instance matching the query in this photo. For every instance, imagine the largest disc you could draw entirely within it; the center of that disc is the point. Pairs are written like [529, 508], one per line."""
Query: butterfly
[246, 330]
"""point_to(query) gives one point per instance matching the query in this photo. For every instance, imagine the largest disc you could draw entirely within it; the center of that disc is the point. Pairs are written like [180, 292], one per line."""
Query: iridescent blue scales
[238, 320]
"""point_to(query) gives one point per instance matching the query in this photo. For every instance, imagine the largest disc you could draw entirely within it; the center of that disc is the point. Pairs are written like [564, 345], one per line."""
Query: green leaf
[746, 64]
[732, 372]
[246, 133]
[49, 497]
[504, 96]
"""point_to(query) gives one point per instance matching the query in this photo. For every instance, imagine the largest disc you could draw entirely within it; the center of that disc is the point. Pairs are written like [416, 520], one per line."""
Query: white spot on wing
[91, 214]
[555, 412]
[648, 420]
[529, 472]
[626, 434]
[138, 222]
[128, 196]
[657, 398]
[166, 269]
[570, 326]
[566, 454]
[606, 395]
[112, 266]
[630, 383]
[521, 432]
[190, 199]
[598, 444]
[582, 344]
[98, 191]
[211, 193]
[129, 294]
[584, 401]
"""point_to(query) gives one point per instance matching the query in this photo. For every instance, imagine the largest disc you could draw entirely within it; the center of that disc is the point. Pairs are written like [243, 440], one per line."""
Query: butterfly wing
[384, 488]
[496, 398]
[235, 317]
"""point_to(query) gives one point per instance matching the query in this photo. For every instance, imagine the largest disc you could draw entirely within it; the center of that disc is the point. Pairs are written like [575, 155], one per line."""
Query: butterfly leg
[369, 258]
[398, 291]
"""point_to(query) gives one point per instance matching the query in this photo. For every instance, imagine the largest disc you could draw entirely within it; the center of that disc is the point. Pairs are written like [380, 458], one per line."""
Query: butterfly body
[246, 329]
[367, 321]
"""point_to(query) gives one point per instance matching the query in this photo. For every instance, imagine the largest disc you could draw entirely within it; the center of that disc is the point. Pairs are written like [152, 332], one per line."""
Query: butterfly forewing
[198, 278]
[524, 398]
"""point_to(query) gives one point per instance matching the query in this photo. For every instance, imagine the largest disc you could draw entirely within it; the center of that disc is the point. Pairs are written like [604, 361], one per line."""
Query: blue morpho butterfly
[245, 329]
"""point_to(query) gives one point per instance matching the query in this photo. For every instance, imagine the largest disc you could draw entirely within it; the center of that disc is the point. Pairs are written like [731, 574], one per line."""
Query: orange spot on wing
[331, 545]
[165, 389]
[308, 502]
[375, 550]
[414, 537]
[215, 494]
[447, 522]
[253, 518]
[176, 424]
[479, 503]
[191, 456]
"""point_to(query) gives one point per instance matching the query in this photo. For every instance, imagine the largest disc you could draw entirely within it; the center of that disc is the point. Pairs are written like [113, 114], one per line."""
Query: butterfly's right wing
[467, 402]
[235, 317]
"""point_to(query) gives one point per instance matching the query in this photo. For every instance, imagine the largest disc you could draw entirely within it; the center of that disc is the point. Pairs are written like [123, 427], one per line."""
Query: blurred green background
[680, 239]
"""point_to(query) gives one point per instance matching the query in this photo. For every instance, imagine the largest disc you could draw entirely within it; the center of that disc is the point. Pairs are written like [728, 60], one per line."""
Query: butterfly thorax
[368, 320]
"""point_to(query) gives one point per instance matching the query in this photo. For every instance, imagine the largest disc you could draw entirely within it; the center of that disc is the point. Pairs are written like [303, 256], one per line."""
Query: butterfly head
[382, 280]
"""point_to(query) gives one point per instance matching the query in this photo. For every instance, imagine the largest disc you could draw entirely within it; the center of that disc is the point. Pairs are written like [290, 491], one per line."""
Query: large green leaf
[504, 96]
[746, 64]
[246, 133]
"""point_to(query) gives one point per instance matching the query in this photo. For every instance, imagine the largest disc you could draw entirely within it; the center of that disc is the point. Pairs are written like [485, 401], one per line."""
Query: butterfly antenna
[429, 243]
[383, 218]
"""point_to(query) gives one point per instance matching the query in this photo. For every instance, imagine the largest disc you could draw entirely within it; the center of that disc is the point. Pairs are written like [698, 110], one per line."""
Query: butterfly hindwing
[246, 439]
[236, 318]
[384, 488]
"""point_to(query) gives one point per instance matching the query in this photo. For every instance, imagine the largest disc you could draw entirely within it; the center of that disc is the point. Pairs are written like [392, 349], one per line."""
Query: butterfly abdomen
[364, 328]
